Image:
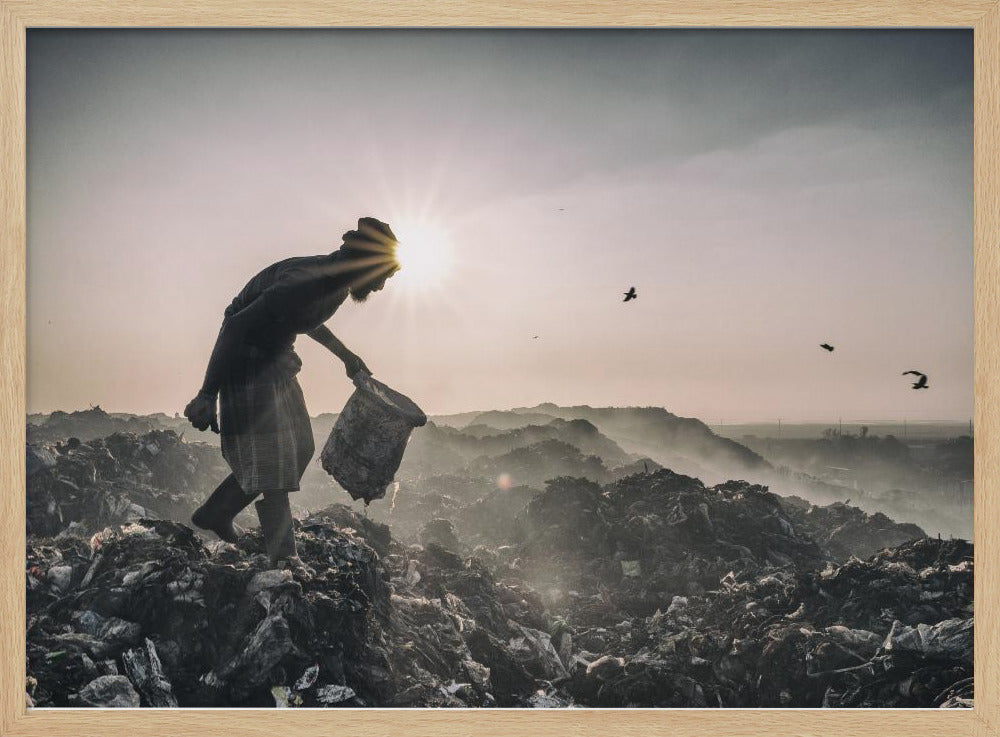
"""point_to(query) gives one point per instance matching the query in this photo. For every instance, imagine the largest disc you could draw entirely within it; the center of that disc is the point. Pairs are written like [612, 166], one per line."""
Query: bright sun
[424, 253]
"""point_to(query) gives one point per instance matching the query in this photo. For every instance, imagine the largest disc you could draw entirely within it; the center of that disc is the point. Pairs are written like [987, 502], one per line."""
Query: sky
[764, 191]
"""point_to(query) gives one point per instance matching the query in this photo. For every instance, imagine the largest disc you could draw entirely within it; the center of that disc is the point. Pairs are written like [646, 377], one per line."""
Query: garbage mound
[117, 479]
[532, 465]
[491, 519]
[579, 433]
[147, 614]
[844, 530]
[654, 590]
[87, 425]
[437, 449]
[650, 537]
[461, 638]
[893, 631]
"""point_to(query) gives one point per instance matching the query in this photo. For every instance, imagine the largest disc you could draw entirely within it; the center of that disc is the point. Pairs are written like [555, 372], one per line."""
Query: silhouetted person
[630, 295]
[826, 346]
[921, 382]
[266, 434]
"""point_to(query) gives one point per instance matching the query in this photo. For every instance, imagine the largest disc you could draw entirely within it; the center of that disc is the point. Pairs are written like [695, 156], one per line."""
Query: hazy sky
[764, 191]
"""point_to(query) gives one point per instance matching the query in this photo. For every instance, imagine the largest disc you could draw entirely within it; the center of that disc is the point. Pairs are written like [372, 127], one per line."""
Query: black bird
[630, 294]
[646, 466]
[921, 382]
[827, 346]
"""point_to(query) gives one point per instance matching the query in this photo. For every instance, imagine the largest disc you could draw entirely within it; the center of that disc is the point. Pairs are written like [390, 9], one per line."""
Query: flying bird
[826, 346]
[921, 382]
[630, 295]
[533, 337]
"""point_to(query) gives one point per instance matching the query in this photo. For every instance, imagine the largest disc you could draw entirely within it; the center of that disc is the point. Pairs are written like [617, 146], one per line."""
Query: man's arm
[218, 365]
[201, 410]
[231, 337]
[327, 339]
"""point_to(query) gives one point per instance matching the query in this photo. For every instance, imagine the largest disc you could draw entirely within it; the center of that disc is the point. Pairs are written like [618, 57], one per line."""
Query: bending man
[266, 434]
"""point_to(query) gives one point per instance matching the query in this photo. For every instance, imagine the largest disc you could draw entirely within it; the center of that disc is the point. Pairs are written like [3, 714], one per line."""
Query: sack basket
[366, 445]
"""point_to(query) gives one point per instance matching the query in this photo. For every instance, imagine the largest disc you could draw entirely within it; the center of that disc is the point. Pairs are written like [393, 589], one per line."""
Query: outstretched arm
[352, 362]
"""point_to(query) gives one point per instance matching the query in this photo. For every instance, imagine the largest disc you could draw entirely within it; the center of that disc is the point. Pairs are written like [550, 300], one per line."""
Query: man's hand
[354, 364]
[201, 412]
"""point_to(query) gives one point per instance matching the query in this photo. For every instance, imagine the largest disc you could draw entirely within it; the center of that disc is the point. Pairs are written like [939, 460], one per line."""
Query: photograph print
[499, 368]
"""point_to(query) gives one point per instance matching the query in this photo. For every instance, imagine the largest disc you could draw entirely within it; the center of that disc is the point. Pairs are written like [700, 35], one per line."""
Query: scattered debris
[651, 590]
[118, 479]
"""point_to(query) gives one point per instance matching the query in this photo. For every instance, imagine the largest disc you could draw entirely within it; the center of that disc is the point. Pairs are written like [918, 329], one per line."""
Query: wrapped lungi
[266, 434]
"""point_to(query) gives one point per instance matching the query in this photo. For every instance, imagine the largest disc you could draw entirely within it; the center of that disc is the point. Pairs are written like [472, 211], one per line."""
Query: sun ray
[425, 253]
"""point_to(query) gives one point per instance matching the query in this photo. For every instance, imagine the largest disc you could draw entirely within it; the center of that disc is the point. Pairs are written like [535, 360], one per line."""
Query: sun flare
[425, 253]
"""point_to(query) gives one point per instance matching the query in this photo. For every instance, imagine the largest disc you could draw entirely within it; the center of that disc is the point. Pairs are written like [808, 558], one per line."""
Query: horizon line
[723, 422]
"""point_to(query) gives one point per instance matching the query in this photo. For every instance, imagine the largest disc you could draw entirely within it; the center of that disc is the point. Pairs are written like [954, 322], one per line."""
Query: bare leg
[275, 515]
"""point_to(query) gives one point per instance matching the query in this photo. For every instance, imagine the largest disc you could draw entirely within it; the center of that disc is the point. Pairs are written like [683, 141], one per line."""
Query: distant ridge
[651, 430]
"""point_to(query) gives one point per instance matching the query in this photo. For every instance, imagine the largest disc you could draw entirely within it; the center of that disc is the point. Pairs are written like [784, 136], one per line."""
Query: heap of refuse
[893, 631]
[86, 486]
[845, 530]
[653, 590]
[651, 537]
[146, 614]
[93, 423]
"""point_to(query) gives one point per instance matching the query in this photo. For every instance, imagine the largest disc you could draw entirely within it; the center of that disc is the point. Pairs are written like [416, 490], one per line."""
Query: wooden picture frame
[18, 15]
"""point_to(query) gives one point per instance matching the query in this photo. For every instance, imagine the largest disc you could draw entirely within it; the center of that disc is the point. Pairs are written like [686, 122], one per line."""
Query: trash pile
[652, 591]
[492, 519]
[581, 434]
[89, 424]
[893, 631]
[459, 637]
[533, 464]
[650, 537]
[117, 479]
[439, 449]
[145, 614]
[844, 530]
